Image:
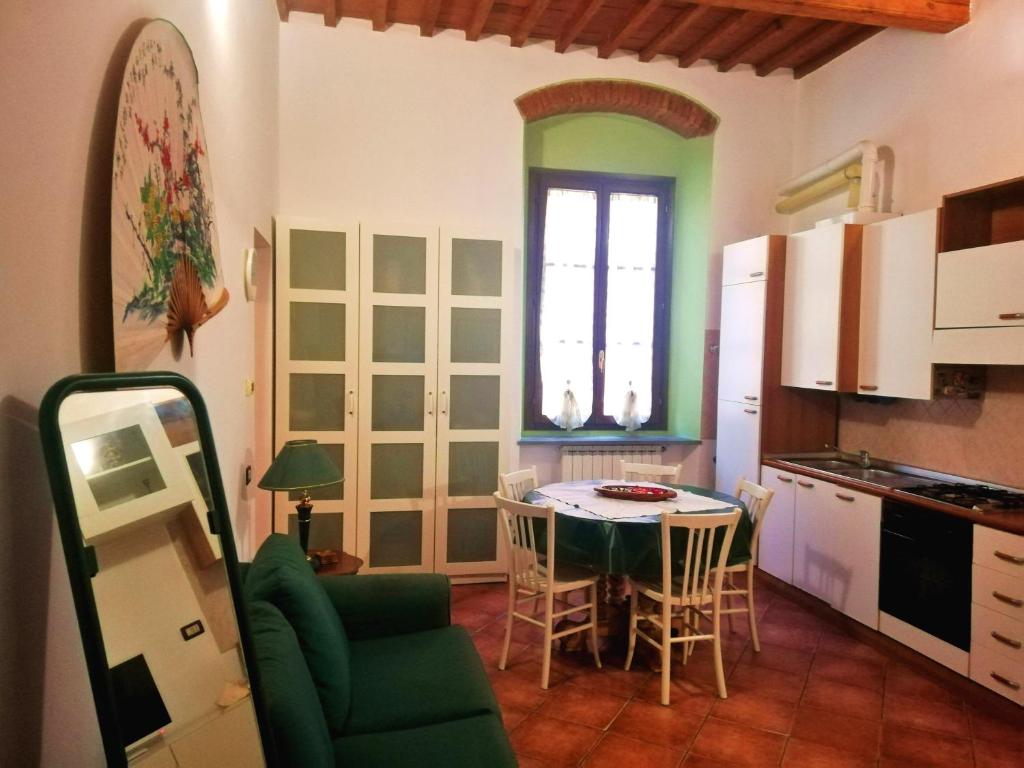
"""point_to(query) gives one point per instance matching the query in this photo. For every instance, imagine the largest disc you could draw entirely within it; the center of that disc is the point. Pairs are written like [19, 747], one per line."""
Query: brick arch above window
[669, 109]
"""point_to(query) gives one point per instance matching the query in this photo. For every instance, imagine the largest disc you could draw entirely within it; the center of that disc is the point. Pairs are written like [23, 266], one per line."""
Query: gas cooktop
[980, 498]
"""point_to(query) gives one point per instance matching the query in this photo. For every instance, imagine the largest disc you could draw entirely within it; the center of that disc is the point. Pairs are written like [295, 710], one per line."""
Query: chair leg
[632, 628]
[666, 648]
[728, 599]
[684, 631]
[750, 609]
[593, 625]
[508, 623]
[716, 621]
[549, 608]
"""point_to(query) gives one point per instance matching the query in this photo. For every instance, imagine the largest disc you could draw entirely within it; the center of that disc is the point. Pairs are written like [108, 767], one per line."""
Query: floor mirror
[153, 570]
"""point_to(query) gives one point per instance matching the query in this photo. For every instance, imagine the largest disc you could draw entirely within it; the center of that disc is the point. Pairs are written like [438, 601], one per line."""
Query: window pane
[567, 300]
[629, 330]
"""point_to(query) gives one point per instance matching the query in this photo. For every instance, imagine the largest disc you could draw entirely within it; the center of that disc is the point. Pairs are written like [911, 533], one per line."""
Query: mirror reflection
[169, 630]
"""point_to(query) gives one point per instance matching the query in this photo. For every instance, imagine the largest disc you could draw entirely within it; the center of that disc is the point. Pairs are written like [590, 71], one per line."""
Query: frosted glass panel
[325, 529]
[317, 259]
[476, 335]
[396, 538]
[396, 471]
[476, 267]
[399, 264]
[399, 334]
[472, 469]
[327, 492]
[398, 403]
[475, 402]
[317, 331]
[316, 402]
[472, 535]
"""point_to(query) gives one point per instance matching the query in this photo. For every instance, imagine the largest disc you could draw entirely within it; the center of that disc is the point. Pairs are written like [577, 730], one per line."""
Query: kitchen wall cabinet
[746, 260]
[775, 551]
[896, 305]
[822, 306]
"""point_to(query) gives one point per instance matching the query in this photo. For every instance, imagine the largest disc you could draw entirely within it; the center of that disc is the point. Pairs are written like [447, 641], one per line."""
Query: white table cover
[580, 498]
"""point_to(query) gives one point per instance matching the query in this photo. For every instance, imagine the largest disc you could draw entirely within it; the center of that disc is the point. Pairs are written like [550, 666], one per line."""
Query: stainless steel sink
[829, 465]
[883, 477]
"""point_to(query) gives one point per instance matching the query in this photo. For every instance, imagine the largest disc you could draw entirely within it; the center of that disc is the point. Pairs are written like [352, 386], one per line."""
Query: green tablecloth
[633, 546]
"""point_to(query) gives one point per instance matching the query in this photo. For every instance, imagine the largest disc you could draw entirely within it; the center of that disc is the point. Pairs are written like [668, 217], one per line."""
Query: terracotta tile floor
[813, 697]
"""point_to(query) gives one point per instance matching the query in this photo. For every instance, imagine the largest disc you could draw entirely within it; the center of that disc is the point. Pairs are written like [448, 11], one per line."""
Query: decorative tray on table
[635, 492]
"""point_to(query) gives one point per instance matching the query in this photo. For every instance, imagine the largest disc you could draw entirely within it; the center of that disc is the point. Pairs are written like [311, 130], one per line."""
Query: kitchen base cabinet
[738, 444]
[997, 612]
[814, 569]
[775, 551]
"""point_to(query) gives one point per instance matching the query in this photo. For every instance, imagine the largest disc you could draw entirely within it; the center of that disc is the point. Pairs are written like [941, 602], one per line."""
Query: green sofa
[367, 670]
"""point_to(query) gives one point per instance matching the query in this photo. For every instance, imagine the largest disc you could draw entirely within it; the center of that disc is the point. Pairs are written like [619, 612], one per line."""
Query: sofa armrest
[380, 605]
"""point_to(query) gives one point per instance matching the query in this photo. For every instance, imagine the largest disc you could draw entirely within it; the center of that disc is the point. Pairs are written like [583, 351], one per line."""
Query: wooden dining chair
[685, 598]
[757, 499]
[654, 473]
[515, 485]
[533, 574]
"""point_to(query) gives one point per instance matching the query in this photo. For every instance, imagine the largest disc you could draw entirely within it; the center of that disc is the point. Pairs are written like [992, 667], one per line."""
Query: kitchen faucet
[865, 460]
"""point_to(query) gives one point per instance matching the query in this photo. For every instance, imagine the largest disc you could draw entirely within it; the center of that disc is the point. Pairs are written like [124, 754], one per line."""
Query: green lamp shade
[301, 465]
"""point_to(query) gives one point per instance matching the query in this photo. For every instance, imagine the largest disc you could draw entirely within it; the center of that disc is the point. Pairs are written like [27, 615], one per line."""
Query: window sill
[619, 438]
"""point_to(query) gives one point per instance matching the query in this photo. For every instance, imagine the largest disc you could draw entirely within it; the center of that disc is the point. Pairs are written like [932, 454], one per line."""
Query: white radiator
[599, 462]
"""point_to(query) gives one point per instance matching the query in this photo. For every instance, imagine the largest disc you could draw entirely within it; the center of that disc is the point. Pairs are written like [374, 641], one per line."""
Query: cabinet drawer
[746, 261]
[997, 632]
[1002, 675]
[980, 287]
[999, 550]
[1003, 594]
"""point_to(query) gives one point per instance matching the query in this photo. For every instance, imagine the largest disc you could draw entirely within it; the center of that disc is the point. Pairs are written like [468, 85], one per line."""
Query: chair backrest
[701, 578]
[757, 500]
[665, 473]
[527, 564]
[515, 485]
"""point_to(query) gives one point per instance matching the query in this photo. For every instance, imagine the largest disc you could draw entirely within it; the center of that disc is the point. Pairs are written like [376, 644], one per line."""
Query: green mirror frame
[81, 561]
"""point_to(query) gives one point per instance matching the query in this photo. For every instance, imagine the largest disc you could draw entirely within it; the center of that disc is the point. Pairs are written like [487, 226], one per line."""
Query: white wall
[62, 65]
[397, 127]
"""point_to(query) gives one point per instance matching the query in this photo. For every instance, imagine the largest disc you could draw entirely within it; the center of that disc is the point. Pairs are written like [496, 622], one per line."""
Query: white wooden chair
[757, 500]
[533, 575]
[699, 586]
[653, 473]
[515, 485]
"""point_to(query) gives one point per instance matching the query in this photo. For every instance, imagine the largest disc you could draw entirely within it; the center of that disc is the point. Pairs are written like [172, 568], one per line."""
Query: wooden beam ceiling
[922, 15]
[580, 18]
[686, 20]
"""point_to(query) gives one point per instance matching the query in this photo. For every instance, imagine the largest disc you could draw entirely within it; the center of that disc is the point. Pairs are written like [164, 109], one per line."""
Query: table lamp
[299, 466]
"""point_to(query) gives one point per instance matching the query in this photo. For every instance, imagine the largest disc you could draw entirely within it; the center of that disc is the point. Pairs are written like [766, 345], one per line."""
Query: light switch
[250, 387]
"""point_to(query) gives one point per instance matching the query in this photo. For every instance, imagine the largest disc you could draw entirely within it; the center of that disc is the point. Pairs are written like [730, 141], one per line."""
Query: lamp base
[305, 515]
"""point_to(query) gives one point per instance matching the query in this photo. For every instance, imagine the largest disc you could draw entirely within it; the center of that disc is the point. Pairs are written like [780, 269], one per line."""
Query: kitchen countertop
[1013, 522]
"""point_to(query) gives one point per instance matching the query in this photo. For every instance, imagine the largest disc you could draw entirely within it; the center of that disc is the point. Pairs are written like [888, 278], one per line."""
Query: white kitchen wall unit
[775, 551]
[738, 445]
[397, 366]
[897, 301]
[997, 612]
[741, 342]
[822, 307]
[746, 261]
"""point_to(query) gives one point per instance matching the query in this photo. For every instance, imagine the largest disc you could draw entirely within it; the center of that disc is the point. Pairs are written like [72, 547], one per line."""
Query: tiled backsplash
[981, 439]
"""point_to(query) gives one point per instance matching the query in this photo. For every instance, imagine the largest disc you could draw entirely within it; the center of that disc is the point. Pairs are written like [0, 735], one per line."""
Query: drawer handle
[1014, 601]
[844, 497]
[1005, 681]
[1012, 316]
[1006, 640]
[785, 479]
[750, 410]
[757, 274]
[823, 383]
[804, 484]
[1009, 558]
[869, 387]
[751, 398]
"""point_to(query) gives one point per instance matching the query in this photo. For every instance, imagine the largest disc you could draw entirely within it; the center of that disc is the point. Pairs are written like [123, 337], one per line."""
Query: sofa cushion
[280, 575]
[468, 743]
[297, 723]
[406, 681]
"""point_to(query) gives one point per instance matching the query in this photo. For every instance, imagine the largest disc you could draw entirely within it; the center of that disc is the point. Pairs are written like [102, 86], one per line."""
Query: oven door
[925, 577]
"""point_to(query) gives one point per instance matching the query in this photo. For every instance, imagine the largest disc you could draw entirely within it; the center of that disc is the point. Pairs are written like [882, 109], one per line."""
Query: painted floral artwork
[165, 261]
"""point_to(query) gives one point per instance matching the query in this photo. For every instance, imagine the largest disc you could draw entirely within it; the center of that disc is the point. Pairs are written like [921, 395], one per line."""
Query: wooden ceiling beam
[380, 16]
[585, 11]
[697, 51]
[798, 48]
[283, 9]
[858, 36]
[922, 15]
[750, 47]
[529, 21]
[476, 24]
[632, 21]
[330, 13]
[685, 20]
[428, 22]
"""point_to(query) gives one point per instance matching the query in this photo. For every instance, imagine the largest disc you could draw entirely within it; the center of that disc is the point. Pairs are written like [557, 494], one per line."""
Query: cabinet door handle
[1016, 602]
[1009, 558]
[823, 383]
[869, 387]
[804, 484]
[784, 479]
[845, 497]
[1012, 684]
[757, 274]
[351, 402]
[444, 402]
[1012, 316]
[750, 410]
[1006, 640]
[751, 398]
[430, 403]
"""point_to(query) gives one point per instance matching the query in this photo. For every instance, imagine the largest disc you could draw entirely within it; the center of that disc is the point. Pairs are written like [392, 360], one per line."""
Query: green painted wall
[621, 144]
